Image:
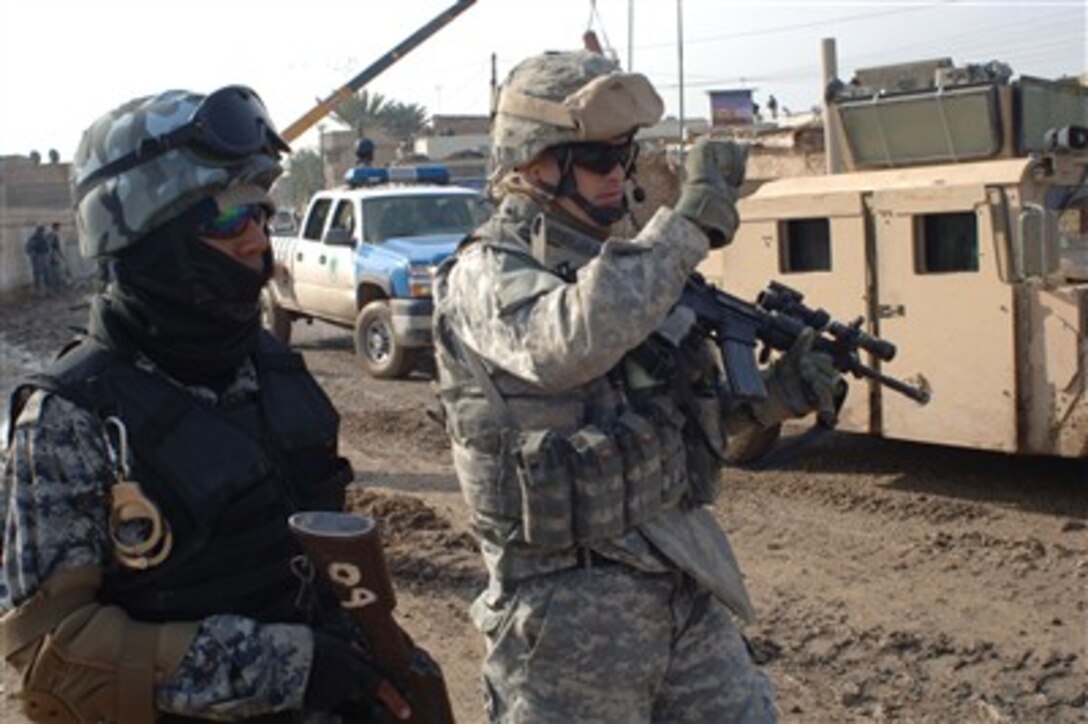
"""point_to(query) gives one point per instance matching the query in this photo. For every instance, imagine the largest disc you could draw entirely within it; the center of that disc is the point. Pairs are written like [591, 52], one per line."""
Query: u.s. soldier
[588, 421]
[148, 570]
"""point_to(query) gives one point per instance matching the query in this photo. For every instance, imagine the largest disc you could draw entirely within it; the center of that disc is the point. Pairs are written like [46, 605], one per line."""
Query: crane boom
[326, 106]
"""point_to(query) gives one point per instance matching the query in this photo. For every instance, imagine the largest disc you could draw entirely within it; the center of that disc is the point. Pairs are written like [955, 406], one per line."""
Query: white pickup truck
[364, 257]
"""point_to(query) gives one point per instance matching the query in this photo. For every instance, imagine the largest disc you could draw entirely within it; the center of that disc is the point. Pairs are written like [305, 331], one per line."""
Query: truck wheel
[751, 446]
[375, 345]
[275, 318]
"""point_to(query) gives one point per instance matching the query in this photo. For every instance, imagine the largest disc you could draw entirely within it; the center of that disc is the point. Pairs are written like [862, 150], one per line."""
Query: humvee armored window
[945, 243]
[804, 246]
[1070, 206]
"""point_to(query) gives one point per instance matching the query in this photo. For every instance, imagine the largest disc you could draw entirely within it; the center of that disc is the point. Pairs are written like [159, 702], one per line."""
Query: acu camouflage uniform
[612, 587]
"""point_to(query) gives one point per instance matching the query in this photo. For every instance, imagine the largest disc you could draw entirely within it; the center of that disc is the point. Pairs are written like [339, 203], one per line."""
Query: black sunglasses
[231, 124]
[600, 158]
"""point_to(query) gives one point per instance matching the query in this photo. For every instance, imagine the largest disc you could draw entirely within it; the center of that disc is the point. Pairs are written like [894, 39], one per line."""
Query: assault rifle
[346, 552]
[777, 318]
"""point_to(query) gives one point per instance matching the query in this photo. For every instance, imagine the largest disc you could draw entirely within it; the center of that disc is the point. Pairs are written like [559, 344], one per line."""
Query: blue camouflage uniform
[54, 509]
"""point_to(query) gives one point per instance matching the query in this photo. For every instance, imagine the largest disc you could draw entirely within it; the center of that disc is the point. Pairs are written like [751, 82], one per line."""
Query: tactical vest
[225, 480]
[592, 463]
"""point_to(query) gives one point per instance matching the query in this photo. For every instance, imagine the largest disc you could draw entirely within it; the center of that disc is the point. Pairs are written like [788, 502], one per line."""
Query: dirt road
[894, 582]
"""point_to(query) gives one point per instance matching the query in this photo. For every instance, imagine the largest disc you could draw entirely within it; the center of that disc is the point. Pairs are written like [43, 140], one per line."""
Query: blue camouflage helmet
[152, 158]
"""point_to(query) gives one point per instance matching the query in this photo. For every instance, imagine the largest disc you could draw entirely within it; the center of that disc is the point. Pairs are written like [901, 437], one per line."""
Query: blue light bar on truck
[372, 176]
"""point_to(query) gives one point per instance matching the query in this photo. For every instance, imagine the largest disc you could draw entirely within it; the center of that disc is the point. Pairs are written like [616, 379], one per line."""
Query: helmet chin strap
[568, 188]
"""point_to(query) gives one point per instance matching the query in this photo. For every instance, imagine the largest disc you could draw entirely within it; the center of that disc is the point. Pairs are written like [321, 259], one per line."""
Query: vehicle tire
[750, 446]
[275, 318]
[375, 345]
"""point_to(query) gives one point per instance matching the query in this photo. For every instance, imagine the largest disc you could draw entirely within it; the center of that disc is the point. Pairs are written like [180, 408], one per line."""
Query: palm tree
[304, 177]
[362, 112]
[403, 120]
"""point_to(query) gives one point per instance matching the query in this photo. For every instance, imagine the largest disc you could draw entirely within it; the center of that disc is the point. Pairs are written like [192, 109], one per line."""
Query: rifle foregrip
[346, 551]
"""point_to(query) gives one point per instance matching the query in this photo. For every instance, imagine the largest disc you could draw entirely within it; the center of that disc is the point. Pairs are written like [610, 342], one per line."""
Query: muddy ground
[895, 582]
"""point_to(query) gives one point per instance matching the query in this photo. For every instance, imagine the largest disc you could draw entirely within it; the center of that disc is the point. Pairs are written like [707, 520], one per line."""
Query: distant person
[149, 572]
[59, 274]
[772, 107]
[37, 249]
[364, 152]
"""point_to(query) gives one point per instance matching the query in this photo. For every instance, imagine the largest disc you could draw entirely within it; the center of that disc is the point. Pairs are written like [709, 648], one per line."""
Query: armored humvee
[959, 230]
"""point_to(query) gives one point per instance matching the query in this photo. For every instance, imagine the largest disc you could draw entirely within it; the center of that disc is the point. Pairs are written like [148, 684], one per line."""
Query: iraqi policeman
[587, 420]
[148, 570]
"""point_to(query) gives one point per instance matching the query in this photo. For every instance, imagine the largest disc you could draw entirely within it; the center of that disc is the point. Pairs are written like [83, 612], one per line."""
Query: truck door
[308, 265]
[338, 252]
[940, 298]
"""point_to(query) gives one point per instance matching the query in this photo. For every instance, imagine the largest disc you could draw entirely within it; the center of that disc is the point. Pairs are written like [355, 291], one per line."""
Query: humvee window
[1069, 204]
[804, 246]
[945, 243]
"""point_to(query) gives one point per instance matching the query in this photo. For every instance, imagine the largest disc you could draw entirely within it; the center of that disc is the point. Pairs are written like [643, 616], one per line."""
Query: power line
[801, 26]
[1022, 44]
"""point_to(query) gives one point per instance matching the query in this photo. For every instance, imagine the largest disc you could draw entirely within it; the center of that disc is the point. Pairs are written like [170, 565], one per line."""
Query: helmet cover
[121, 209]
[568, 97]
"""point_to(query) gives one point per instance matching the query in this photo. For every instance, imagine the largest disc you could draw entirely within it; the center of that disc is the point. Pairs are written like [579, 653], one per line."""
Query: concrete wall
[32, 194]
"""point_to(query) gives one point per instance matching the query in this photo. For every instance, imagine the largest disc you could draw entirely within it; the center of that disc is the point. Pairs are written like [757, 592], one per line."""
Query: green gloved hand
[713, 173]
[799, 382]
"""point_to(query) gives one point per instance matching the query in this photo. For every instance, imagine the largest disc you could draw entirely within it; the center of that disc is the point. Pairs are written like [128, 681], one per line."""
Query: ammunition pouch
[575, 478]
[595, 484]
[546, 490]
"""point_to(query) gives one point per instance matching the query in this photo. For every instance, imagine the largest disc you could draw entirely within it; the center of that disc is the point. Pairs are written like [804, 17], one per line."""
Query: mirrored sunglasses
[232, 221]
[601, 158]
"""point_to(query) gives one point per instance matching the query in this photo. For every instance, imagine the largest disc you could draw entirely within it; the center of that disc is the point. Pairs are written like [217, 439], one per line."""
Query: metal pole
[680, 64]
[830, 68]
[630, 36]
[321, 152]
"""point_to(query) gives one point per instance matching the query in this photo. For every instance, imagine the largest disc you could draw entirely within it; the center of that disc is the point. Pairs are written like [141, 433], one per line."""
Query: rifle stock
[346, 551]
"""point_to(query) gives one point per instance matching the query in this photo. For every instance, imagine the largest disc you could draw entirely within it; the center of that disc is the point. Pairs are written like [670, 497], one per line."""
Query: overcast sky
[65, 62]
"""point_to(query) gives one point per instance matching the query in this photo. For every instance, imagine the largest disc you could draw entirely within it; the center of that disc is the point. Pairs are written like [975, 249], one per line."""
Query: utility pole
[680, 64]
[830, 67]
[321, 154]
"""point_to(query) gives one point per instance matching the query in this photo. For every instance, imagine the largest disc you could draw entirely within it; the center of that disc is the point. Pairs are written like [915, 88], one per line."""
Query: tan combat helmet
[567, 97]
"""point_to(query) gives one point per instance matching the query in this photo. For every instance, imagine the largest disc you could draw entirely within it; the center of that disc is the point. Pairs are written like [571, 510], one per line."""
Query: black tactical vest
[225, 479]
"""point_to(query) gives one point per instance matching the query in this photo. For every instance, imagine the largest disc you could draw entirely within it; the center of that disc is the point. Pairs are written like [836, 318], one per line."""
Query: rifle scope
[788, 301]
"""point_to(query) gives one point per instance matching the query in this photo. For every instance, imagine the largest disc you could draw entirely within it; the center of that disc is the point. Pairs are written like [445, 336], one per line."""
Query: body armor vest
[590, 464]
[224, 479]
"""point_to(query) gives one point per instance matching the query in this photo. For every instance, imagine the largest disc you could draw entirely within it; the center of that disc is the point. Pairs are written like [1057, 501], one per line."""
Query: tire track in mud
[900, 582]
[881, 672]
[34, 331]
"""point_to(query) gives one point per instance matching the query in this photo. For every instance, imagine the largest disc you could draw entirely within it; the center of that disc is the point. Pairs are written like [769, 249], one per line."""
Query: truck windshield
[403, 216]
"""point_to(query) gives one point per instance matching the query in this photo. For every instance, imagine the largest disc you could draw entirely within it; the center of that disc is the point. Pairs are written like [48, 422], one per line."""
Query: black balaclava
[190, 308]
